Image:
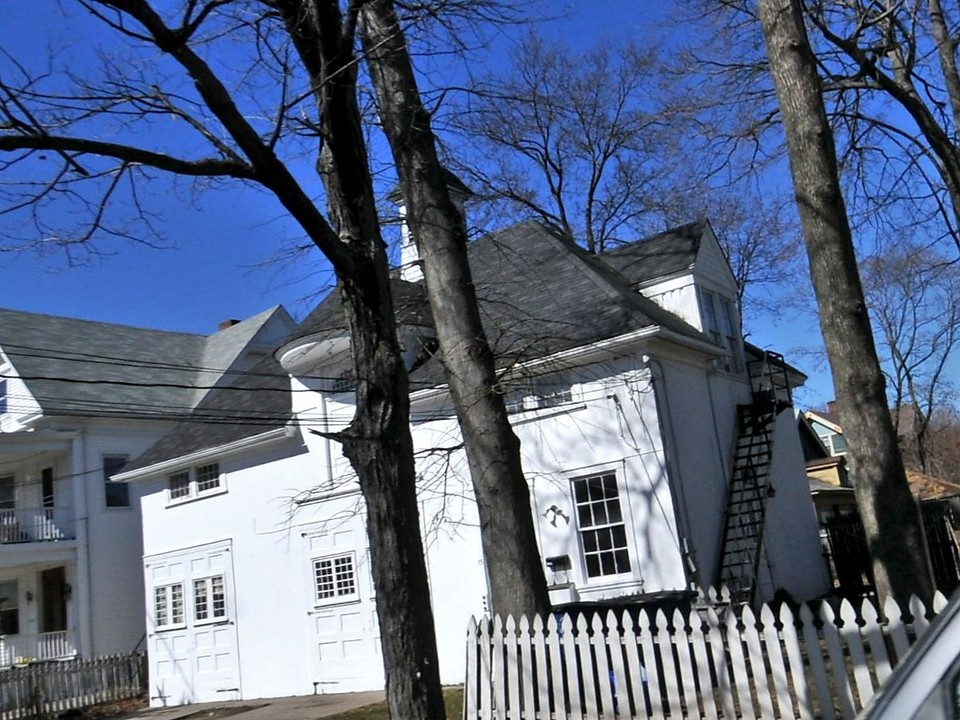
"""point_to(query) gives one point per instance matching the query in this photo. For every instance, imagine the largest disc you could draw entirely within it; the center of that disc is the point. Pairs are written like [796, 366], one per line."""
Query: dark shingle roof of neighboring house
[539, 294]
[86, 368]
[255, 402]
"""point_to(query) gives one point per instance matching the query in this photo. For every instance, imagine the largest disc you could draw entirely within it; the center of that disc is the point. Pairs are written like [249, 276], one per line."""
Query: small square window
[208, 477]
[180, 485]
[335, 578]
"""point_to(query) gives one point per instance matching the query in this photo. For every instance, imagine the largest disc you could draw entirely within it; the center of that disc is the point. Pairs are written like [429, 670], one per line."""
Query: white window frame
[196, 477]
[167, 593]
[207, 582]
[337, 597]
[596, 528]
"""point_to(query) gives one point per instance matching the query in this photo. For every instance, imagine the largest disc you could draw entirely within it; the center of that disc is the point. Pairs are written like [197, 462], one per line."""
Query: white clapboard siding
[714, 662]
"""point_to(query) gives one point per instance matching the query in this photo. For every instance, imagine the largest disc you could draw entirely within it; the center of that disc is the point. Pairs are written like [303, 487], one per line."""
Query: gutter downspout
[658, 383]
[83, 580]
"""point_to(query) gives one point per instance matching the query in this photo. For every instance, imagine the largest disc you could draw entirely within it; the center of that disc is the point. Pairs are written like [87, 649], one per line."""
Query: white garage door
[346, 636]
[191, 626]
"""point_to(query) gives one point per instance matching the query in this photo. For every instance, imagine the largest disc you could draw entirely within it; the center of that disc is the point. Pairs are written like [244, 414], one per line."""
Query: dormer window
[720, 323]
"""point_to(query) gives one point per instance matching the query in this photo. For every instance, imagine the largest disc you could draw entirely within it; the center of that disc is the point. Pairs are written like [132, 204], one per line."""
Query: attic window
[3, 396]
[195, 482]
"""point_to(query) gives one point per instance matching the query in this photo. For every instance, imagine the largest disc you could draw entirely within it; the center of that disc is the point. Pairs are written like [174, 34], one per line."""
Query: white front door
[191, 623]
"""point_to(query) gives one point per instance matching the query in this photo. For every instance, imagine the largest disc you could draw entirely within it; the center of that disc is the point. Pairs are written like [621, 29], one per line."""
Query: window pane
[219, 596]
[200, 610]
[9, 608]
[116, 494]
[180, 485]
[7, 493]
[160, 616]
[593, 566]
[208, 477]
[335, 577]
[604, 539]
[176, 604]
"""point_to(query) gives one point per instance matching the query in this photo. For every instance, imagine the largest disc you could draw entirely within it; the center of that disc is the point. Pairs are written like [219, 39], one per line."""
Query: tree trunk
[514, 568]
[888, 509]
[377, 443]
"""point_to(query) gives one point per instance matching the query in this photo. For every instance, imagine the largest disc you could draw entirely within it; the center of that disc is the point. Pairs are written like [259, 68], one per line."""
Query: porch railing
[36, 525]
[18, 649]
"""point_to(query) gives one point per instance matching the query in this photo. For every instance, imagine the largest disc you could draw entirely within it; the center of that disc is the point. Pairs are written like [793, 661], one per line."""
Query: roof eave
[599, 350]
[200, 456]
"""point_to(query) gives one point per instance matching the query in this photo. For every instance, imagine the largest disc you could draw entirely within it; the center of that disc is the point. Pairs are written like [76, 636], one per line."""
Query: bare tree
[597, 144]
[887, 506]
[175, 77]
[914, 299]
[515, 572]
[566, 137]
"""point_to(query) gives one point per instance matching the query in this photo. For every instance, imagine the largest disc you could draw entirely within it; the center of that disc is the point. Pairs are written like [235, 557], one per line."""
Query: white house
[77, 400]
[659, 450]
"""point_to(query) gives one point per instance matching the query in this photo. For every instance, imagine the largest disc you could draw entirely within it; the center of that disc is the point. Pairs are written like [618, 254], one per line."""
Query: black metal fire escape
[742, 546]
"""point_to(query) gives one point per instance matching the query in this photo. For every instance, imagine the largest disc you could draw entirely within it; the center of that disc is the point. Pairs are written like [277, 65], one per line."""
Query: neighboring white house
[78, 399]
[638, 409]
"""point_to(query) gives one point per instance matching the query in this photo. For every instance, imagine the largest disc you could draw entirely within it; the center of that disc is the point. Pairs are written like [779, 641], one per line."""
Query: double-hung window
[603, 534]
[335, 578]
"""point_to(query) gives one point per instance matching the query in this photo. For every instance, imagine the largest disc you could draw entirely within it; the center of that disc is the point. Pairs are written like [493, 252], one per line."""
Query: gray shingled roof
[254, 403]
[95, 369]
[539, 294]
[658, 256]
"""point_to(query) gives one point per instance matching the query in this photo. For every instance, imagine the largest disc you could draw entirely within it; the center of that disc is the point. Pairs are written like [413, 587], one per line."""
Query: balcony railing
[22, 649]
[41, 525]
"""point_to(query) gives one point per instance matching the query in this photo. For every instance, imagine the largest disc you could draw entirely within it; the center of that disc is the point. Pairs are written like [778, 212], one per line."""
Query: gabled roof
[829, 420]
[94, 369]
[659, 256]
[539, 293]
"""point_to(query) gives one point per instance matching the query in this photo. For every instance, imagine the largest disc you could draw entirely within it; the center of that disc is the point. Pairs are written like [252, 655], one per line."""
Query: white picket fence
[714, 662]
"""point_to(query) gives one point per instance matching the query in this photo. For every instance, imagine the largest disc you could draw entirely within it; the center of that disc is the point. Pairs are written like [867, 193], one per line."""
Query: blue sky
[228, 251]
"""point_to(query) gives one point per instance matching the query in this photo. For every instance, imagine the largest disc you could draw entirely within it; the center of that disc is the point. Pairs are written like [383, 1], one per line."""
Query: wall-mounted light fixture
[67, 591]
[29, 596]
